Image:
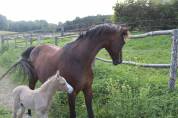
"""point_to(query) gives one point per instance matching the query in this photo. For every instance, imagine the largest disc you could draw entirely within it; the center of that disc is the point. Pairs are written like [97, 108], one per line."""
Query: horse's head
[114, 45]
[62, 84]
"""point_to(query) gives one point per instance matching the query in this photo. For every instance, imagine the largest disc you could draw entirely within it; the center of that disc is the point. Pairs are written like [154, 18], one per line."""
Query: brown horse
[74, 60]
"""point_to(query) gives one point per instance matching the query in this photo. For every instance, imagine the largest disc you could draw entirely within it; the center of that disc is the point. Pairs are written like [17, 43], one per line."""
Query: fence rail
[153, 33]
[28, 38]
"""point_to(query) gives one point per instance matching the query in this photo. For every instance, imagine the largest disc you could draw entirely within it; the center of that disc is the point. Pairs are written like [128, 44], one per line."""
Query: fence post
[62, 30]
[30, 39]
[26, 40]
[173, 67]
[7, 40]
[39, 39]
[16, 41]
[2, 42]
[55, 40]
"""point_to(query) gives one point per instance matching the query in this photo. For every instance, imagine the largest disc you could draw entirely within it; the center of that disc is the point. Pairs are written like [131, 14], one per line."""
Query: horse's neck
[86, 50]
[48, 88]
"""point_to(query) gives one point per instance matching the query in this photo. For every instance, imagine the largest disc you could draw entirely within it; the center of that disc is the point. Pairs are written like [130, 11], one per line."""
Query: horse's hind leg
[32, 83]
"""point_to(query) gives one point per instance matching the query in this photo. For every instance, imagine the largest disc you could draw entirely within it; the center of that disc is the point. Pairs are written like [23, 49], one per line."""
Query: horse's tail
[24, 65]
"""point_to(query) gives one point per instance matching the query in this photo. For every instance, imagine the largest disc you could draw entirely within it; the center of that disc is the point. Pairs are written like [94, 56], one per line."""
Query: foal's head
[62, 84]
[115, 42]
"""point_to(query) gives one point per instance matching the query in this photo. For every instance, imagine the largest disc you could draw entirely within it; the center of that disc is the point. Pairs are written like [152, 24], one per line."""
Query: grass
[4, 113]
[122, 91]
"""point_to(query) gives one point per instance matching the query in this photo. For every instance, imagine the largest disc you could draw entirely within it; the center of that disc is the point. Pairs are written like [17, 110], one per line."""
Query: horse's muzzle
[116, 62]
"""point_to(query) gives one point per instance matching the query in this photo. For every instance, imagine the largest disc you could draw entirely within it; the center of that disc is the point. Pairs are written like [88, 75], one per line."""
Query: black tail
[24, 65]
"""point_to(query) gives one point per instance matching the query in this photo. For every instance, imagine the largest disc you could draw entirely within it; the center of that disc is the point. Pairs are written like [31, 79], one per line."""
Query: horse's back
[44, 59]
[43, 51]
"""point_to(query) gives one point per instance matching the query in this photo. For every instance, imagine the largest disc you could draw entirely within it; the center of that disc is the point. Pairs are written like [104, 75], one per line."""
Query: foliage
[44, 26]
[4, 113]
[3, 23]
[86, 22]
[145, 15]
[24, 26]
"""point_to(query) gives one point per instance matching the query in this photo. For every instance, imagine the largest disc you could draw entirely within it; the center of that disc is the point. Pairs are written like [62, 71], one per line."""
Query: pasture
[121, 91]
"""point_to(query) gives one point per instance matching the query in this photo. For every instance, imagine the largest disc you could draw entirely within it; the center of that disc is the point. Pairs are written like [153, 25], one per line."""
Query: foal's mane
[98, 31]
[50, 79]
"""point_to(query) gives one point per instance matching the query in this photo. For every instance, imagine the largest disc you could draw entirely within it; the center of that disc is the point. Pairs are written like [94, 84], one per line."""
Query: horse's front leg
[88, 100]
[71, 101]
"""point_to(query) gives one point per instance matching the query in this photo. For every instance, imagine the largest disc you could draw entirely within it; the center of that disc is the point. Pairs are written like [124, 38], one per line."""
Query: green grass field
[122, 91]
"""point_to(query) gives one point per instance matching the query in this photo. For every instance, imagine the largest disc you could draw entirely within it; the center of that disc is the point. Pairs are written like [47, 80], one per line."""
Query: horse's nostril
[120, 61]
[116, 62]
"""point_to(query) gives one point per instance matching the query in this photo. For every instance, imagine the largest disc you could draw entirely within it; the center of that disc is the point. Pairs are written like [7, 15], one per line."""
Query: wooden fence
[20, 39]
[28, 39]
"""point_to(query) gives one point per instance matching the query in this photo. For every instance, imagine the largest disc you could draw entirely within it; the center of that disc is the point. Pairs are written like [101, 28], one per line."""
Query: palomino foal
[39, 99]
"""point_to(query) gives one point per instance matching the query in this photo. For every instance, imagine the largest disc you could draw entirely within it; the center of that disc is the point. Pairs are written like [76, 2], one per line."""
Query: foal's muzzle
[70, 88]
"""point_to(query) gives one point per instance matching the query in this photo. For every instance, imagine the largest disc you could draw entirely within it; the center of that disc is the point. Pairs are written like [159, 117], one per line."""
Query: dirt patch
[6, 87]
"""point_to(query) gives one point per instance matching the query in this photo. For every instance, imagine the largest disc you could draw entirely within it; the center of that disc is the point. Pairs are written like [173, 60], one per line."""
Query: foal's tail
[24, 65]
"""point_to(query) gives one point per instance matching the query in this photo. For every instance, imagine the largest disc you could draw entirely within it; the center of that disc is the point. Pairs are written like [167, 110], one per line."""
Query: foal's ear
[58, 73]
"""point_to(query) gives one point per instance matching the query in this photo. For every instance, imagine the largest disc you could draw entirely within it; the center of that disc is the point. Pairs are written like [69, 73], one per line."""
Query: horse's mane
[98, 31]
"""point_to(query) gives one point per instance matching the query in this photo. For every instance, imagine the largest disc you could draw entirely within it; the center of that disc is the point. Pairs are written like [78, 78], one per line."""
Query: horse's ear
[124, 31]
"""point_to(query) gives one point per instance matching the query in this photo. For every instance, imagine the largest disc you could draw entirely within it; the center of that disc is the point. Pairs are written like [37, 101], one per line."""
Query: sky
[54, 10]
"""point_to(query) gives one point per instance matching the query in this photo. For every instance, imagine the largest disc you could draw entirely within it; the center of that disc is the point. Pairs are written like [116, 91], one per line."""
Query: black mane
[98, 31]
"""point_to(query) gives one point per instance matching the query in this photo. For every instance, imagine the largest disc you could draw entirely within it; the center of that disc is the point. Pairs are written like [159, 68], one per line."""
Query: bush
[145, 15]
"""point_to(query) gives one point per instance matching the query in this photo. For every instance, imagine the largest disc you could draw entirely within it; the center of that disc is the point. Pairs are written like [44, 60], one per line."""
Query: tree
[86, 22]
[146, 15]
[3, 23]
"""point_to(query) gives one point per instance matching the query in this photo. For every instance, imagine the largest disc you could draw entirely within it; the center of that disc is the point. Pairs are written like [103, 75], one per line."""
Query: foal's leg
[42, 114]
[32, 83]
[45, 115]
[88, 100]
[71, 100]
[39, 114]
[22, 112]
[15, 109]
[16, 106]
